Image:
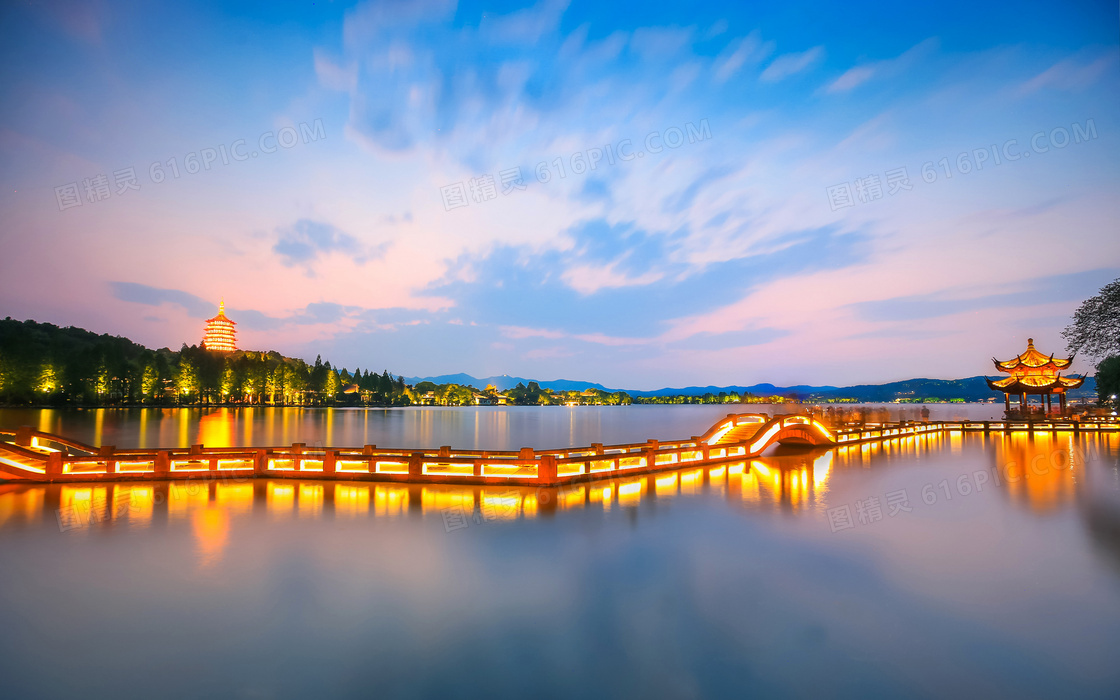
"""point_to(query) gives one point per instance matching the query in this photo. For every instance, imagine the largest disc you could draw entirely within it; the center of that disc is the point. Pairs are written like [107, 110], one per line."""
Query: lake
[945, 565]
[474, 428]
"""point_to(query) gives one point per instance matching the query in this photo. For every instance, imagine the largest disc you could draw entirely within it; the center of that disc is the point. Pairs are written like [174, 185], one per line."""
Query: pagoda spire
[221, 331]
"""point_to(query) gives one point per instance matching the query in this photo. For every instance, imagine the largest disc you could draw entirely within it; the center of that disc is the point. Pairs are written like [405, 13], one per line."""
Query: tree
[48, 379]
[331, 383]
[187, 380]
[149, 381]
[1095, 330]
[1108, 381]
[227, 383]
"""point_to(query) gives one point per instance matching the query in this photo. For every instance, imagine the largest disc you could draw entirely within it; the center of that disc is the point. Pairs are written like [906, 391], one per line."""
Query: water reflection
[216, 428]
[734, 562]
[491, 428]
[210, 525]
[1041, 472]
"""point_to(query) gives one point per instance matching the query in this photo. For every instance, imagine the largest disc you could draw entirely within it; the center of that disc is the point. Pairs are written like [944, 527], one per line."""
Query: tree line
[41, 363]
[521, 395]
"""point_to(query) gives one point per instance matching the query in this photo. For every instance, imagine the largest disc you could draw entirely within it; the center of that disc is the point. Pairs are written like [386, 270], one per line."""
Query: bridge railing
[59, 458]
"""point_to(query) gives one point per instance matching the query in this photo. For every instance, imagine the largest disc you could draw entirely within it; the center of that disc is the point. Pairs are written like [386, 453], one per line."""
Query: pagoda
[1034, 373]
[221, 334]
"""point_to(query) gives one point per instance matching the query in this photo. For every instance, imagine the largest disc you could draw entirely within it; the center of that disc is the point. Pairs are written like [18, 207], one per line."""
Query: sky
[637, 194]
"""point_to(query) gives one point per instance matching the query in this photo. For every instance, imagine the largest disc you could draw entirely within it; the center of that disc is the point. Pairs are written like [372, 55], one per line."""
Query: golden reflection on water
[215, 429]
[210, 525]
[1041, 473]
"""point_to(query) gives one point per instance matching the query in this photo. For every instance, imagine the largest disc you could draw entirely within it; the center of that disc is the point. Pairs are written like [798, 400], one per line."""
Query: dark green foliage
[43, 364]
[1108, 381]
[1095, 330]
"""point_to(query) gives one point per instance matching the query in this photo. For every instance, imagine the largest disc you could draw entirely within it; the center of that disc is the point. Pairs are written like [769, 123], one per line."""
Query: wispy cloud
[306, 241]
[749, 49]
[791, 63]
[195, 306]
[1069, 75]
[858, 75]
[682, 265]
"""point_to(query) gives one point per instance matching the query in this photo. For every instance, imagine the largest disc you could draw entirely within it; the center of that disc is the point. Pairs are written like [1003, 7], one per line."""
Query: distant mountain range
[506, 382]
[968, 389]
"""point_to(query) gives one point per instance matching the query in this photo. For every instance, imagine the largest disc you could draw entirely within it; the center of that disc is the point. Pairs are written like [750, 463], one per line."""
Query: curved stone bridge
[27, 454]
[30, 455]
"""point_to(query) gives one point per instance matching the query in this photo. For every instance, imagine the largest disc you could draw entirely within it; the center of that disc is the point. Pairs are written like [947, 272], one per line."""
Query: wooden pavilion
[1034, 373]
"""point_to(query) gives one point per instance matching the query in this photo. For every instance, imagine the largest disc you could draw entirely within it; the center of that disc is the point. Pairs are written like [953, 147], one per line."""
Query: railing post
[106, 451]
[163, 464]
[297, 456]
[330, 461]
[416, 465]
[445, 452]
[23, 436]
[546, 469]
[54, 464]
[701, 445]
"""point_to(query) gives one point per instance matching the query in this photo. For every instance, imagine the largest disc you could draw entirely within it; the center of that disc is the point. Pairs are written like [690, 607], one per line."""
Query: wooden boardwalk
[31, 455]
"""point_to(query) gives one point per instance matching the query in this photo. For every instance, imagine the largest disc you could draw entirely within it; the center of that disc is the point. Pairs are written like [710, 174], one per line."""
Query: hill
[967, 389]
[505, 382]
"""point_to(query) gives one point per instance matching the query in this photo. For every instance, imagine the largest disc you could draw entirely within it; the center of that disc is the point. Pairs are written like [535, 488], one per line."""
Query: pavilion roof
[1032, 359]
[1034, 384]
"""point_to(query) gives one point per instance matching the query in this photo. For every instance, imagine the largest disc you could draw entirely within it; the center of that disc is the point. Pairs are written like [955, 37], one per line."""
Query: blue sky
[793, 193]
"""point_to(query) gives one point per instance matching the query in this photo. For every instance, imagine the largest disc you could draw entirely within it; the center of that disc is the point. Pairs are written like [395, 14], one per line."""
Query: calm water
[998, 576]
[484, 428]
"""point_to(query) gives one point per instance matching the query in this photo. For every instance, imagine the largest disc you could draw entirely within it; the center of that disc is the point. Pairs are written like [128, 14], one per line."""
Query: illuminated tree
[331, 383]
[274, 382]
[187, 380]
[454, 395]
[149, 380]
[101, 380]
[227, 382]
[48, 379]
[1095, 330]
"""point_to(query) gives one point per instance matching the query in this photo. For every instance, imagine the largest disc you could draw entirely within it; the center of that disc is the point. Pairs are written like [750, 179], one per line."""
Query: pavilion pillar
[1049, 404]
[1023, 402]
[1062, 402]
[1007, 402]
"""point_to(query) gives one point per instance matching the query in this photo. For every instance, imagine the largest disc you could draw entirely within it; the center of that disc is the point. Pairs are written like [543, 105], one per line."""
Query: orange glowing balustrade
[31, 455]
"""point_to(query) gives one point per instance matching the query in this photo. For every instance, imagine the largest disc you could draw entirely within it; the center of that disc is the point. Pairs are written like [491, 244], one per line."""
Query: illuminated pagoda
[1034, 373]
[221, 333]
